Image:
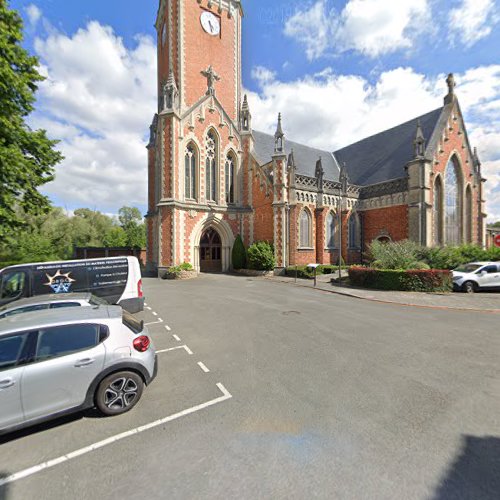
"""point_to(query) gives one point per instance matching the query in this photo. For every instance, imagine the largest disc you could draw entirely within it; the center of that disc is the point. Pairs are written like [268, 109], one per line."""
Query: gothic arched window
[438, 211]
[331, 230]
[468, 214]
[212, 152]
[452, 203]
[230, 172]
[190, 171]
[354, 231]
[305, 229]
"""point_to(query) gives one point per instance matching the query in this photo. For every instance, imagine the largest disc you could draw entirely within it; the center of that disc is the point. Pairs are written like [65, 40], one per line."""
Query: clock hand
[211, 27]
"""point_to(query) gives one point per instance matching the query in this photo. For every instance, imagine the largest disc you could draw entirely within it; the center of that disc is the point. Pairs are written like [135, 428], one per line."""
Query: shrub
[261, 256]
[397, 255]
[239, 254]
[308, 272]
[430, 280]
[186, 266]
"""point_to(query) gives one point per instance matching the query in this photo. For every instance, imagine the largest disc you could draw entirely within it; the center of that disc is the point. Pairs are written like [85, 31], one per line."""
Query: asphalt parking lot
[319, 396]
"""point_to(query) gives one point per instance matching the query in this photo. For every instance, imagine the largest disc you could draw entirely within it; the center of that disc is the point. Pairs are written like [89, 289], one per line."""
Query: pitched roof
[383, 156]
[305, 156]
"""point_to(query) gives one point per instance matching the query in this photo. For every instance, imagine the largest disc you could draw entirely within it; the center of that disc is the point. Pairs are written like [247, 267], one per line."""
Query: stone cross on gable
[211, 77]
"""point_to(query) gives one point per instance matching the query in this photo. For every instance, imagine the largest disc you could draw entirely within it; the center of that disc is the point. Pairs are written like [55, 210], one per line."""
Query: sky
[338, 70]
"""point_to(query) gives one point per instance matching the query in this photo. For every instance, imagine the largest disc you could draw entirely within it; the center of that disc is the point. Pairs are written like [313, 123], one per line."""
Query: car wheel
[119, 393]
[469, 287]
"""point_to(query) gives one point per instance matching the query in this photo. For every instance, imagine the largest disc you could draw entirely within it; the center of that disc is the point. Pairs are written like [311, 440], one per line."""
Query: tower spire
[245, 116]
[419, 142]
[279, 137]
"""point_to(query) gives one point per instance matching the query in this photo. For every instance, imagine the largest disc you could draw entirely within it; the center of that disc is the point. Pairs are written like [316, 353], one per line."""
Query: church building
[212, 175]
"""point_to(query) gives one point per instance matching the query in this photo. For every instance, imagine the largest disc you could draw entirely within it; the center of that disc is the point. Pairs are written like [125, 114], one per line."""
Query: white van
[477, 276]
[118, 280]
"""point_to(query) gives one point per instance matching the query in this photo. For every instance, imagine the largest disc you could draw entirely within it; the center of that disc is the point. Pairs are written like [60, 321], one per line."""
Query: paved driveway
[322, 396]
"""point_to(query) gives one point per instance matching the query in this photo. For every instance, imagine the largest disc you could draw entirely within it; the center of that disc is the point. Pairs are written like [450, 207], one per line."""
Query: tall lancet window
[452, 204]
[212, 153]
[190, 168]
[331, 230]
[230, 171]
[468, 214]
[438, 212]
[305, 229]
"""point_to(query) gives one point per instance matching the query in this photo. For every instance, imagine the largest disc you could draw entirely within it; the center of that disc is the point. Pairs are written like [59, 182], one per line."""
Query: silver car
[55, 362]
[42, 302]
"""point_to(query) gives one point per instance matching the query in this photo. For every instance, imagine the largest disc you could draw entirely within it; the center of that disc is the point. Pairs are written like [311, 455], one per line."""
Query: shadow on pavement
[475, 474]
[51, 424]
[4, 490]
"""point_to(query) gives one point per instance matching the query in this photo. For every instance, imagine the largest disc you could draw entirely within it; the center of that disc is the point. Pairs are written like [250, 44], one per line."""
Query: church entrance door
[211, 252]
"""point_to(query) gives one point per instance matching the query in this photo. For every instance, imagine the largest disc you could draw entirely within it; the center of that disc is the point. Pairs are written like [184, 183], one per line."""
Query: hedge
[308, 272]
[414, 280]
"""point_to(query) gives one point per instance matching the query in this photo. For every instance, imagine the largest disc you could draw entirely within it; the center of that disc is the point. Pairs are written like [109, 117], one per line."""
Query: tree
[239, 254]
[27, 157]
[132, 223]
[496, 224]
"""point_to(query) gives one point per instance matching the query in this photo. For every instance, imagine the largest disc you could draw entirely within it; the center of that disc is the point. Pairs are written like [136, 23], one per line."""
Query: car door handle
[5, 384]
[84, 362]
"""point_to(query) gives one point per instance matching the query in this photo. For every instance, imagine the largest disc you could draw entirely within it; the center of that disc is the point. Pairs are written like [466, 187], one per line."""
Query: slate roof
[305, 157]
[383, 156]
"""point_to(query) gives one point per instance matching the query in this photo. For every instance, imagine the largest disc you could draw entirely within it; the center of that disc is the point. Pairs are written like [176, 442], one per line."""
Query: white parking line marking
[155, 314]
[176, 337]
[203, 367]
[148, 308]
[154, 322]
[118, 437]
[160, 320]
[168, 328]
[185, 347]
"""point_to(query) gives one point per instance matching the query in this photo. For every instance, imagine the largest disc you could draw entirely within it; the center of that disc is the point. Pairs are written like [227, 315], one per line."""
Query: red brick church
[212, 176]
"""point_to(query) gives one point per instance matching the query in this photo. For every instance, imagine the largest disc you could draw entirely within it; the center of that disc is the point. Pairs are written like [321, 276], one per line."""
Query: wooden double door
[211, 252]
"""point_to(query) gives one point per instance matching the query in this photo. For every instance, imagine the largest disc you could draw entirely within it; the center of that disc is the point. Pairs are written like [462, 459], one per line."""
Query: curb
[381, 301]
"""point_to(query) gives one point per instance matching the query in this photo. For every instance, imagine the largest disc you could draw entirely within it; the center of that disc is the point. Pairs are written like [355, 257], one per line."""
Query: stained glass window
[354, 233]
[230, 178]
[190, 172]
[211, 167]
[452, 204]
[331, 230]
[438, 212]
[305, 229]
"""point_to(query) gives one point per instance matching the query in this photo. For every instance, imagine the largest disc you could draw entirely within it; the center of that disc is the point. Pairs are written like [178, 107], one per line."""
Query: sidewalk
[488, 302]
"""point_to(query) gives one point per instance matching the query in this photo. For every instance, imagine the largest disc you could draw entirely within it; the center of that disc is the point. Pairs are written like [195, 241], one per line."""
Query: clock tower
[197, 200]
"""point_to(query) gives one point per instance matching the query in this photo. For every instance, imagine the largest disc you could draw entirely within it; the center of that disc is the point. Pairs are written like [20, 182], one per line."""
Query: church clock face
[210, 23]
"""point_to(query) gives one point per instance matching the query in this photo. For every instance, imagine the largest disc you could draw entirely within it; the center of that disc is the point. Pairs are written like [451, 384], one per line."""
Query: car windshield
[130, 322]
[468, 268]
[98, 301]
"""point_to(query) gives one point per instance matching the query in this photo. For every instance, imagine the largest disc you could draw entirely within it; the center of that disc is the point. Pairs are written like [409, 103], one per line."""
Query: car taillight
[142, 343]
[139, 289]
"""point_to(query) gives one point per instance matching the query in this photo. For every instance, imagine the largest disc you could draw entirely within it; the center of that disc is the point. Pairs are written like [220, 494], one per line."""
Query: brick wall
[390, 221]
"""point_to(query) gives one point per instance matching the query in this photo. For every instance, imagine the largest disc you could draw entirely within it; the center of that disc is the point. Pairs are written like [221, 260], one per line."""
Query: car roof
[484, 263]
[47, 299]
[54, 317]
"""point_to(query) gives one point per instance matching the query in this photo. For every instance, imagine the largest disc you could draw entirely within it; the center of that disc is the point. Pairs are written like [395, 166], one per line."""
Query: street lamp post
[343, 183]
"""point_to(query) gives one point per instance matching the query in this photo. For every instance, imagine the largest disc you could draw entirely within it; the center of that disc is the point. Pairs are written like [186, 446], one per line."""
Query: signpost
[497, 240]
[314, 266]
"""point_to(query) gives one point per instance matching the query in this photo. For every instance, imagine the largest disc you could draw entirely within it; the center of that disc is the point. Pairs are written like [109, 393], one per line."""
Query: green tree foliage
[397, 255]
[54, 235]
[132, 223]
[261, 256]
[27, 157]
[239, 254]
[496, 224]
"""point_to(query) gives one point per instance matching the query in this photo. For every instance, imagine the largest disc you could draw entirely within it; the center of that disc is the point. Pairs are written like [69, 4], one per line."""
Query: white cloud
[34, 14]
[99, 99]
[329, 111]
[472, 20]
[371, 27]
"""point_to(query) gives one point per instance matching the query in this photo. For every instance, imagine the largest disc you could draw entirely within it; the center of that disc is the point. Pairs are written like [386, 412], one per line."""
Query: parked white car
[477, 276]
